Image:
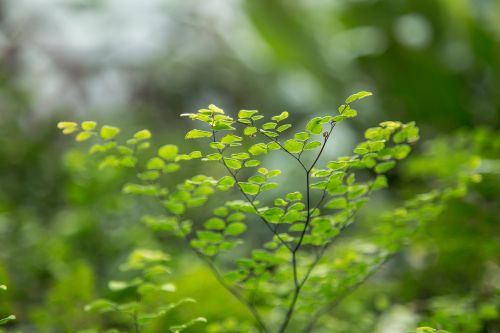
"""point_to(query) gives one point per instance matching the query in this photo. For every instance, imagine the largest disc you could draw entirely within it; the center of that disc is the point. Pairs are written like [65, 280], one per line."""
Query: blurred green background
[139, 64]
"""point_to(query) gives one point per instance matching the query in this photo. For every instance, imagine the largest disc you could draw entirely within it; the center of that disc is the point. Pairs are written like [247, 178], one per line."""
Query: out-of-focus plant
[294, 279]
[7, 319]
[149, 289]
[426, 329]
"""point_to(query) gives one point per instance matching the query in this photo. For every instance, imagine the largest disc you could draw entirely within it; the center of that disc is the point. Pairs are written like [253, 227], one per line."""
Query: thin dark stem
[327, 136]
[298, 284]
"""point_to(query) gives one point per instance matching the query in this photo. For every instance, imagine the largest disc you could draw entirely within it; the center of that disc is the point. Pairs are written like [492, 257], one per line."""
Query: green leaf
[82, 136]
[235, 229]
[195, 154]
[263, 171]
[230, 138]
[334, 165]
[142, 135]
[109, 132]
[337, 203]
[312, 145]
[357, 96]
[140, 189]
[269, 134]
[174, 207]
[257, 179]
[155, 163]
[269, 126]
[220, 125]
[214, 223]
[196, 133]
[279, 202]
[220, 211]
[88, 125]
[249, 131]
[101, 305]
[7, 319]
[268, 186]
[401, 151]
[376, 133]
[226, 181]
[273, 173]
[283, 128]
[171, 167]
[236, 217]
[168, 152]
[240, 156]
[385, 166]
[246, 113]
[215, 109]
[214, 157]
[232, 163]
[258, 149]
[315, 125]
[293, 146]
[249, 188]
[272, 215]
[217, 145]
[282, 116]
[252, 163]
[379, 182]
[294, 196]
[210, 236]
[302, 136]
[273, 146]
[160, 223]
[149, 175]
[67, 124]
[350, 113]
[356, 191]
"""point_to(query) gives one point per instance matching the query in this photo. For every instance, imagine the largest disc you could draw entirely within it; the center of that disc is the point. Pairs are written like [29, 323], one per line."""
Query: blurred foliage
[431, 61]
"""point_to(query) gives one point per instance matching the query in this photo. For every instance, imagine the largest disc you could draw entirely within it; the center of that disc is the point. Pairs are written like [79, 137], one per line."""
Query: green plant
[7, 319]
[149, 287]
[293, 276]
[426, 329]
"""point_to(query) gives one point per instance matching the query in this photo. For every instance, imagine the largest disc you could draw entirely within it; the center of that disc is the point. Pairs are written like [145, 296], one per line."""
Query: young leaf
[168, 152]
[109, 132]
[385, 166]
[142, 135]
[82, 136]
[249, 188]
[293, 146]
[283, 128]
[196, 133]
[88, 125]
[235, 229]
[246, 113]
[283, 115]
[357, 96]
[215, 223]
[315, 125]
